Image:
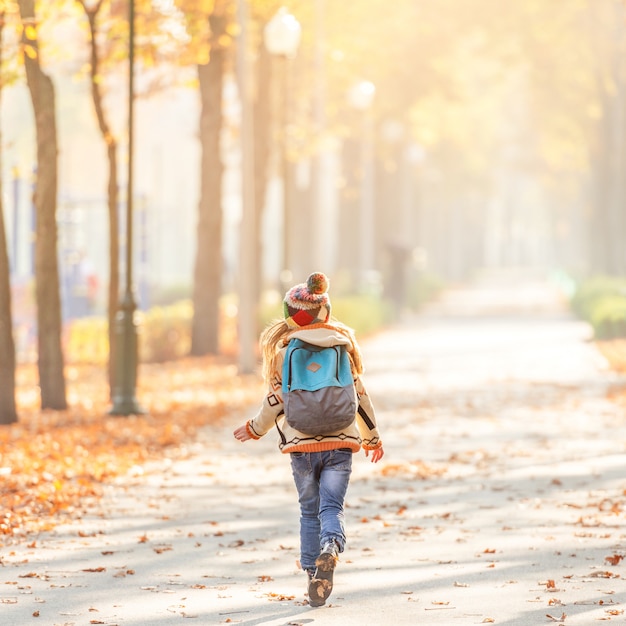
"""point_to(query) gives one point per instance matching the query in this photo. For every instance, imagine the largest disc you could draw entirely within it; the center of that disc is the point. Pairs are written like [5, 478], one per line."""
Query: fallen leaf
[277, 597]
[161, 549]
[603, 574]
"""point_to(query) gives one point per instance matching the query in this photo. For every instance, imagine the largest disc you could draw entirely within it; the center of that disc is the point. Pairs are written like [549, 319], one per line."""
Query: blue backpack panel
[318, 388]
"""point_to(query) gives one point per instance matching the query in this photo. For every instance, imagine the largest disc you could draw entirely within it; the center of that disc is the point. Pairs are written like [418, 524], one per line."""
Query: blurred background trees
[400, 147]
[8, 412]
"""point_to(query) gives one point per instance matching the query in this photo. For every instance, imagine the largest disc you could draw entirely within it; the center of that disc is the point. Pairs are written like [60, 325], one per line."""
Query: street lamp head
[361, 95]
[282, 34]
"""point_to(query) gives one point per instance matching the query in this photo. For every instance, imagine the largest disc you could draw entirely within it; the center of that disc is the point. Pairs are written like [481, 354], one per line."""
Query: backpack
[318, 388]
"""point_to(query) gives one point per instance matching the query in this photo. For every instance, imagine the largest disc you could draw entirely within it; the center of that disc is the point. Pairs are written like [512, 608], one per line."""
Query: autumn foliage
[53, 465]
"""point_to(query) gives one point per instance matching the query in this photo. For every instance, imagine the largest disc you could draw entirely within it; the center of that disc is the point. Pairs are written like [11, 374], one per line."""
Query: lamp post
[126, 357]
[361, 97]
[282, 38]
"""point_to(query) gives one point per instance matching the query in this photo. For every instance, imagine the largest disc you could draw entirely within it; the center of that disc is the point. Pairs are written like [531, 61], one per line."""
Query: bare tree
[8, 412]
[92, 12]
[208, 265]
[50, 361]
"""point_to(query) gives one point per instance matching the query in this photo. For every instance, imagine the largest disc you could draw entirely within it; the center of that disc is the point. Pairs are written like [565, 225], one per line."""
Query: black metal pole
[131, 146]
[126, 353]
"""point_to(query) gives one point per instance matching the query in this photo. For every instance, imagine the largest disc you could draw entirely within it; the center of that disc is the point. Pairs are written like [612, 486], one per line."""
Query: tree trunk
[50, 362]
[112, 187]
[207, 286]
[8, 412]
[262, 127]
[601, 183]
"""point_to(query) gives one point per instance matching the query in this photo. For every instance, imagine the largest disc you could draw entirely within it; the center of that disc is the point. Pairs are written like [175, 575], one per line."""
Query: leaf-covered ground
[52, 464]
[500, 499]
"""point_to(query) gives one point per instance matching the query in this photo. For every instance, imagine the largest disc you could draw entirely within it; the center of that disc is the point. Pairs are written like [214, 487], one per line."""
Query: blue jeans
[322, 481]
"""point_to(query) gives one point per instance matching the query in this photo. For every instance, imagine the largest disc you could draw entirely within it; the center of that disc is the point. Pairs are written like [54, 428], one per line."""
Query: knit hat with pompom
[308, 303]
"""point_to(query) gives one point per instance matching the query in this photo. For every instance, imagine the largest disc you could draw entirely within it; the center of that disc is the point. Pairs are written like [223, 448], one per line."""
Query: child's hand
[242, 433]
[377, 454]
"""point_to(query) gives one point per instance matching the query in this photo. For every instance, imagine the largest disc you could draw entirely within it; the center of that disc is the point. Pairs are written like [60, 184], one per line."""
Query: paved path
[501, 498]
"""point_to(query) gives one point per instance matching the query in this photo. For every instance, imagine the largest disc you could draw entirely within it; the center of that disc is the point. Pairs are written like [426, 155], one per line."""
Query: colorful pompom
[317, 283]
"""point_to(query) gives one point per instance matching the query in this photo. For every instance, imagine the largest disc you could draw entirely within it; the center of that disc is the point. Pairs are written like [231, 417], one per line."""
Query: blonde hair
[276, 336]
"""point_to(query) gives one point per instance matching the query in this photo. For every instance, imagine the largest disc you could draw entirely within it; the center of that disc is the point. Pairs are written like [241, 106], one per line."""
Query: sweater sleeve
[366, 419]
[272, 407]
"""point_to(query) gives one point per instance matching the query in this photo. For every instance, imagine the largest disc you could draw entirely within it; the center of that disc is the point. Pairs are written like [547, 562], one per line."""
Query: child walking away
[323, 415]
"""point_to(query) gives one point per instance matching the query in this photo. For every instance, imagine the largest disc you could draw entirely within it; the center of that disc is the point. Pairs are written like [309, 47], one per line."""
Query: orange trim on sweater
[250, 431]
[320, 446]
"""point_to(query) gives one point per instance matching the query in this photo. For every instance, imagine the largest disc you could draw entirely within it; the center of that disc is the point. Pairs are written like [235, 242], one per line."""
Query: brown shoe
[321, 583]
[319, 590]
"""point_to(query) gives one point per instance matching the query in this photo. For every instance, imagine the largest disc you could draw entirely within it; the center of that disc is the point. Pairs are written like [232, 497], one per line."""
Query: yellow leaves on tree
[30, 32]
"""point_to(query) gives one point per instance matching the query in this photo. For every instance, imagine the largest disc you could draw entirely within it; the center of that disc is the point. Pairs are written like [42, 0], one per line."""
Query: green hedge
[164, 332]
[601, 301]
[423, 289]
[364, 313]
[608, 317]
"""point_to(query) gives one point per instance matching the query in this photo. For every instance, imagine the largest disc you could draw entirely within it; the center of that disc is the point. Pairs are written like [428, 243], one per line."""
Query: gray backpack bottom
[321, 412]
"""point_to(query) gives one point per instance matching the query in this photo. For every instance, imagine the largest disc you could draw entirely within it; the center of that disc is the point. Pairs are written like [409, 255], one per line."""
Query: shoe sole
[321, 585]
